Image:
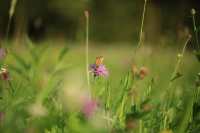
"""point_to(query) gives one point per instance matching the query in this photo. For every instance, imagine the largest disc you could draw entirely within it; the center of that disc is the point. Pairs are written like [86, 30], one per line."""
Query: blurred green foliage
[111, 20]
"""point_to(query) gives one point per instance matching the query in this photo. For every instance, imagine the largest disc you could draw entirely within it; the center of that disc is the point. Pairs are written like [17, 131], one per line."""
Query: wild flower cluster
[99, 69]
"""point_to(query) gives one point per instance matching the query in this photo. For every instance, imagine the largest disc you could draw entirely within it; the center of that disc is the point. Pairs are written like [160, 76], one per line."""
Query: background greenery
[111, 20]
[46, 64]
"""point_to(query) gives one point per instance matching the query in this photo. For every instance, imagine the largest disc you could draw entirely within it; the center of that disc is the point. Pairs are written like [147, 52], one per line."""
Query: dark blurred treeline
[111, 20]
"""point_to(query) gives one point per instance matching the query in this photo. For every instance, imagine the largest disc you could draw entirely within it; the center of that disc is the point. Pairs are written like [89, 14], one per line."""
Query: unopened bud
[180, 55]
[86, 12]
[193, 12]
[144, 71]
[4, 74]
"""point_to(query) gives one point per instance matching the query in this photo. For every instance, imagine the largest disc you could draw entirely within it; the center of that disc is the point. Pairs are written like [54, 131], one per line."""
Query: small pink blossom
[89, 107]
[99, 70]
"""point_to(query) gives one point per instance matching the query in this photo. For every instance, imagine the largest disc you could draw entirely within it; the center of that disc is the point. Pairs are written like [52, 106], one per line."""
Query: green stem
[8, 27]
[170, 92]
[87, 49]
[195, 31]
[140, 126]
[177, 67]
[11, 86]
[165, 121]
[142, 25]
[108, 98]
[122, 109]
[11, 13]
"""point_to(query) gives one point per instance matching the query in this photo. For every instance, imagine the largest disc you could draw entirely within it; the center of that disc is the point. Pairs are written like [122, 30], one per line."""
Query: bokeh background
[111, 20]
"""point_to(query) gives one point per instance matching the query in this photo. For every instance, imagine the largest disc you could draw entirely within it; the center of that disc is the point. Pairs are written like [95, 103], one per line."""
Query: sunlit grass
[50, 77]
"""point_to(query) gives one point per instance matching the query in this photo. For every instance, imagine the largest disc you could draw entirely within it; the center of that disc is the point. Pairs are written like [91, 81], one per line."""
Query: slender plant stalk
[8, 28]
[138, 46]
[140, 126]
[169, 93]
[165, 121]
[11, 14]
[11, 86]
[87, 49]
[177, 67]
[193, 12]
[108, 97]
[142, 25]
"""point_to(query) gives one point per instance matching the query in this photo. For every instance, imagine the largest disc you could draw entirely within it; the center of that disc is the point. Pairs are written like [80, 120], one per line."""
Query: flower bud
[180, 55]
[4, 74]
[193, 12]
[86, 12]
[143, 72]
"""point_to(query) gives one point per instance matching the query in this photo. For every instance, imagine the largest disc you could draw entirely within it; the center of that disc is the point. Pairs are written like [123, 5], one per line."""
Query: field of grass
[63, 87]
[47, 90]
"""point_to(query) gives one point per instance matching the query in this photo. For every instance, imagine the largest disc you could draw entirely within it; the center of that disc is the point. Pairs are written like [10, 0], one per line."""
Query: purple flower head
[89, 107]
[99, 70]
[3, 53]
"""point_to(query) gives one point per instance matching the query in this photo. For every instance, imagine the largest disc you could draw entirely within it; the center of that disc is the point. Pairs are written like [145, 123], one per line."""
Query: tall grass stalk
[142, 26]
[180, 59]
[193, 12]
[174, 75]
[11, 14]
[140, 126]
[140, 43]
[87, 49]
[178, 64]
[11, 86]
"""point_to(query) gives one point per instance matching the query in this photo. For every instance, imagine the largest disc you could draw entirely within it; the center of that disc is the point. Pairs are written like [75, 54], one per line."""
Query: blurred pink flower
[89, 107]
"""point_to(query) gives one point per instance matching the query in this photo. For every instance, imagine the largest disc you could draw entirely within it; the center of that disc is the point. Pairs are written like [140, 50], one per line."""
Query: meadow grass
[41, 81]
[48, 88]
